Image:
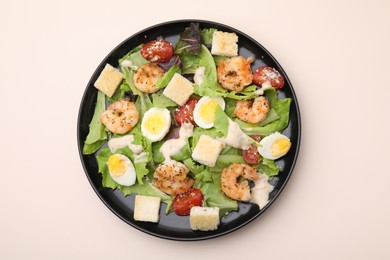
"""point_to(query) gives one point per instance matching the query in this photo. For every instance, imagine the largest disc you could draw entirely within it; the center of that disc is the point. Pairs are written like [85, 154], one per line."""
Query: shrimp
[146, 77]
[171, 178]
[234, 189]
[252, 111]
[120, 117]
[235, 73]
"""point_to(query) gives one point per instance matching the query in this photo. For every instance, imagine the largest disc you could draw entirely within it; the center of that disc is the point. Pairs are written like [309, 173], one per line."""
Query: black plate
[172, 226]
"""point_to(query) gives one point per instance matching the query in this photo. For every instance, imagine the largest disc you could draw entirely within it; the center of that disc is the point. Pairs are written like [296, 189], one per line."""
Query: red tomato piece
[182, 203]
[251, 155]
[157, 51]
[263, 74]
[185, 113]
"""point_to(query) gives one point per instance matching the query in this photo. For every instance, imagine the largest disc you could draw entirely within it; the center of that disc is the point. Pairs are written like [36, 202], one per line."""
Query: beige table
[336, 205]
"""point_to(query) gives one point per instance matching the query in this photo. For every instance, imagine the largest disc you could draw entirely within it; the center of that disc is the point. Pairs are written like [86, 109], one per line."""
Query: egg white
[201, 106]
[160, 118]
[129, 176]
[265, 146]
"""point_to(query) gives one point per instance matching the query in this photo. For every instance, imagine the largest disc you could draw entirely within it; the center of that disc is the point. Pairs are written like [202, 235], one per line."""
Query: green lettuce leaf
[210, 85]
[143, 104]
[184, 153]
[140, 168]
[221, 122]
[97, 135]
[207, 35]
[204, 176]
[200, 172]
[228, 150]
[135, 58]
[161, 101]
[120, 92]
[143, 189]
[230, 105]
[164, 80]
[129, 78]
[127, 56]
[273, 124]
[268, 167]
[189, 63]
[214, 196]
[193, 166]
[247, 93]
[226, 160]
[212, 132]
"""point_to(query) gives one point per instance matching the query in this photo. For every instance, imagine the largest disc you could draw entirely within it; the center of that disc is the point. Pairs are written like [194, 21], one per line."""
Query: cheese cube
[207, 150]
[204, 218]
[108, 80]
[147, 208]
[224, 44]
[179, 89]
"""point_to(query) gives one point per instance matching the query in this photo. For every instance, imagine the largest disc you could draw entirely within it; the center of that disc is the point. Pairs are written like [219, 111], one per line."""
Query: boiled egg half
[156, 123]
[274, 146]
[121, 170]
[204, 112]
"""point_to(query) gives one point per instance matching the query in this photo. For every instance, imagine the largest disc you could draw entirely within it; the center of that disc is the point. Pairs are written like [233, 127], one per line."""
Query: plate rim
[211, 235]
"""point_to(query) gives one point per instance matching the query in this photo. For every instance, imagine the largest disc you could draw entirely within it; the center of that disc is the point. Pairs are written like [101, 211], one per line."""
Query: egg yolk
[280, 147]
[116, 165]
[207, 111]
[155, 123]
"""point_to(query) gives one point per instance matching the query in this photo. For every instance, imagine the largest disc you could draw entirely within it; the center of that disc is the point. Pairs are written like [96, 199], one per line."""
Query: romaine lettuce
[120, 92]
[161, 101]
[97, 135]
[207, 36]
[102, 158]
[189, 63]
[214, 196]
[164, 80]
[268, 167]
[210, 85]
[138, 188]
[135, 58]
[281, 109]
[221, 122]
[184, 153]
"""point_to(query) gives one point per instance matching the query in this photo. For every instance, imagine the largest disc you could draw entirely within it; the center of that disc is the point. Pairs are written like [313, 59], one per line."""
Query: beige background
[336, 205]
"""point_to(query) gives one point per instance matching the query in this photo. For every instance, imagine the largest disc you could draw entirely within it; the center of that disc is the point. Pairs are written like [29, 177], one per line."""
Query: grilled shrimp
[235, 73]
[120, 117]
[252, 111]
[146, 77]
[171, 178]
[230, 185]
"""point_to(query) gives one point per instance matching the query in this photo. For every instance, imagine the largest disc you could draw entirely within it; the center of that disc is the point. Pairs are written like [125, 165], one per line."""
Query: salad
[190, 123]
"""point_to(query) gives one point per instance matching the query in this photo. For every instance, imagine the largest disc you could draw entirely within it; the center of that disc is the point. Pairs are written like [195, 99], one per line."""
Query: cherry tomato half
[182, 203]
[251, 155]
[185, 113]
[157, 51]
[263, 74]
